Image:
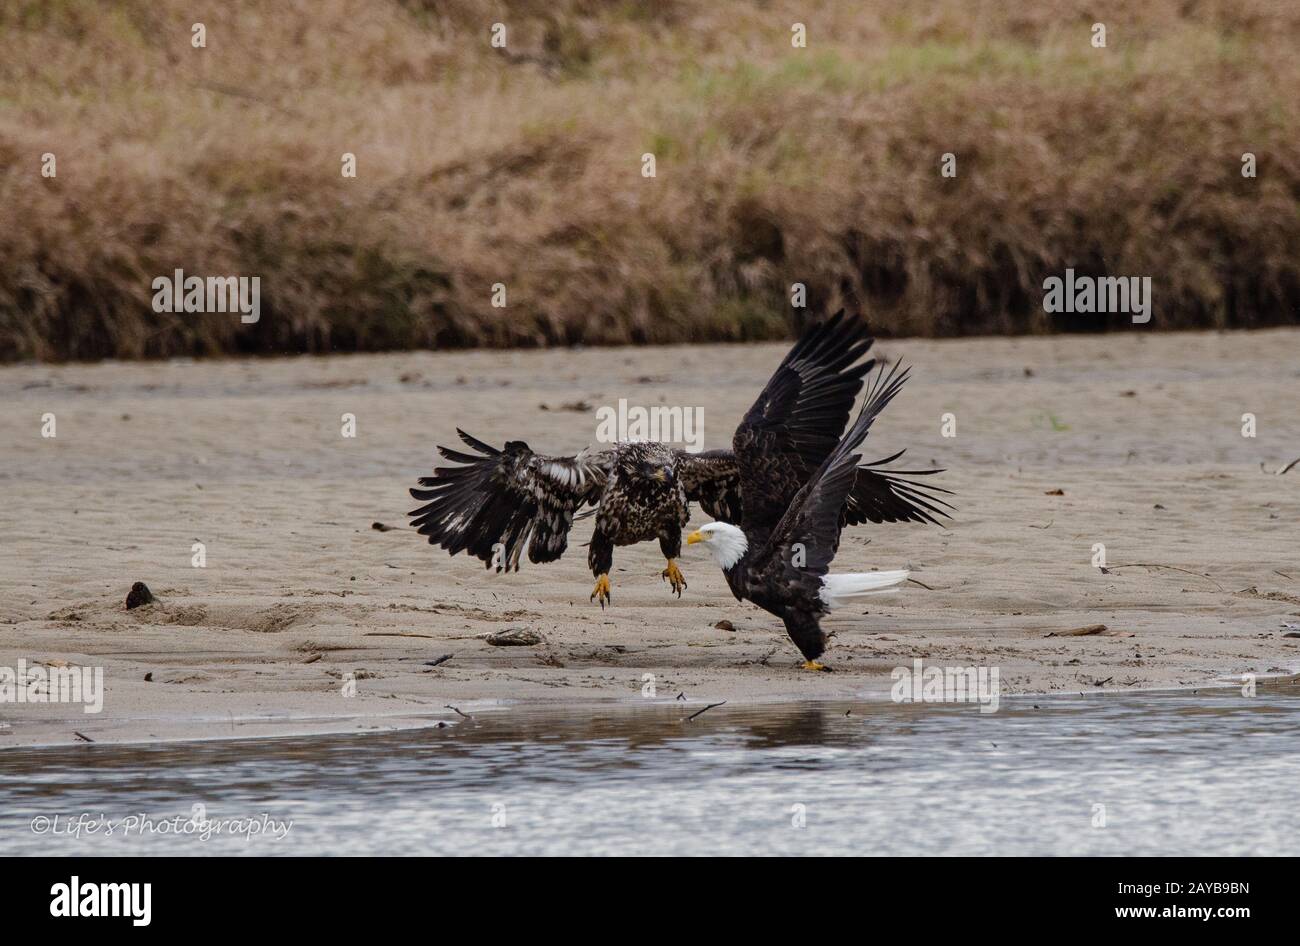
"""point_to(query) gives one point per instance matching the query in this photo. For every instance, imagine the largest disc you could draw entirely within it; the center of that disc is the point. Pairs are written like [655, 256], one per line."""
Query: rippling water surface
[1206, 773]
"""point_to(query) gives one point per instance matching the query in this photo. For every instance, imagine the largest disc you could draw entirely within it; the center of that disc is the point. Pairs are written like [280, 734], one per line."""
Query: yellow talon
[813, 665]
[601, 591]
[674, 575]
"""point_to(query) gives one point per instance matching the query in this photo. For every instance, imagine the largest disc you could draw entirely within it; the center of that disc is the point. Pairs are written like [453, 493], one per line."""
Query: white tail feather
[839, 590]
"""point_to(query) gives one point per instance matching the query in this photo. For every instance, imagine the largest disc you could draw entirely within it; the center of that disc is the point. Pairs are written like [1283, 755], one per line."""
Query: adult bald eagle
[781, 564]
[498, 503]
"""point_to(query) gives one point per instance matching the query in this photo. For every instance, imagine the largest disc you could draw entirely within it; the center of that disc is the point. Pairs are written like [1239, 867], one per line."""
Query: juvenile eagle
[502, 501]
[499, 502]
[782, 564]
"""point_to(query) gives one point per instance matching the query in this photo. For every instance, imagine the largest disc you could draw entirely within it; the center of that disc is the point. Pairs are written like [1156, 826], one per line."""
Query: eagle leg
[814, 665]
[674, 575]
[601, 591]
[600, 558]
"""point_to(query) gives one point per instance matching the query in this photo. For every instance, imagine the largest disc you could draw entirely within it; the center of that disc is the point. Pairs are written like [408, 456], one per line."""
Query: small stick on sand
[702, 712]
[1173, 567]
[1283, 469]
[921, 583]
[457, 712]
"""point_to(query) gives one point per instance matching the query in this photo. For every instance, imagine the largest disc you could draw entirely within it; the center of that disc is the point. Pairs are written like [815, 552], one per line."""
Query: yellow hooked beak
[696, 536]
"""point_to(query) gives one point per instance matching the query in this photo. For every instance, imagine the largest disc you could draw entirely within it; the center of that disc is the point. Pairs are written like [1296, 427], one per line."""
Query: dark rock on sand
[139, 595]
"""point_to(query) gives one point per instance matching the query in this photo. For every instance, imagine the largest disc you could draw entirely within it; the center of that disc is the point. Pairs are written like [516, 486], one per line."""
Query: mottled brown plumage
[498, 503]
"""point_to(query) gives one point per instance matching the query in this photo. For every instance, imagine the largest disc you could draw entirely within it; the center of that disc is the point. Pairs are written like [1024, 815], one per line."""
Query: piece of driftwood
[1091, 630]
[703, 711]
[515, 637]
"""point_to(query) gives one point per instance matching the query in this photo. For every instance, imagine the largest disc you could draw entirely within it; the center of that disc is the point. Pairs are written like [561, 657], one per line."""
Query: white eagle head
[725, 542]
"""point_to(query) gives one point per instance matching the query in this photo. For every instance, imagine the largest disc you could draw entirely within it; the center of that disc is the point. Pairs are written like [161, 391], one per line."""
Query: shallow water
[1211, 772]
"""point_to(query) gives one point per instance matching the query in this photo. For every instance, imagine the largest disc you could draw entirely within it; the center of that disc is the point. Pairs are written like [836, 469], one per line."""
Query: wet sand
[1141, 433]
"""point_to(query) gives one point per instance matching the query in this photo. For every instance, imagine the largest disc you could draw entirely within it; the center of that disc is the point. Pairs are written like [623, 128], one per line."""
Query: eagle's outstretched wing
[799, 417]
[500, 501]
[888, 496]
[800, 548]
[712, 479]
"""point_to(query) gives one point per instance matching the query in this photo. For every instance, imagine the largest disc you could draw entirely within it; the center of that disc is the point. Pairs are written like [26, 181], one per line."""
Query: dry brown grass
[775, 165]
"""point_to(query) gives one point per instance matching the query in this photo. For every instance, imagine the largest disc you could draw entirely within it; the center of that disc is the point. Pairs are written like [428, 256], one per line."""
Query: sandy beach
[1132, 441]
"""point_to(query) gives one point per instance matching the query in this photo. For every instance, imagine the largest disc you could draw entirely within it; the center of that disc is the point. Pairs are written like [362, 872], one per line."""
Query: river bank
[306, 618]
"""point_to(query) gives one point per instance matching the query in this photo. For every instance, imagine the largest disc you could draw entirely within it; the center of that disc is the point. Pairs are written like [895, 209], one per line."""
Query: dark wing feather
[799, 417]
[711, 479]
[888, 496]
[813, 520]
[513, 498]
